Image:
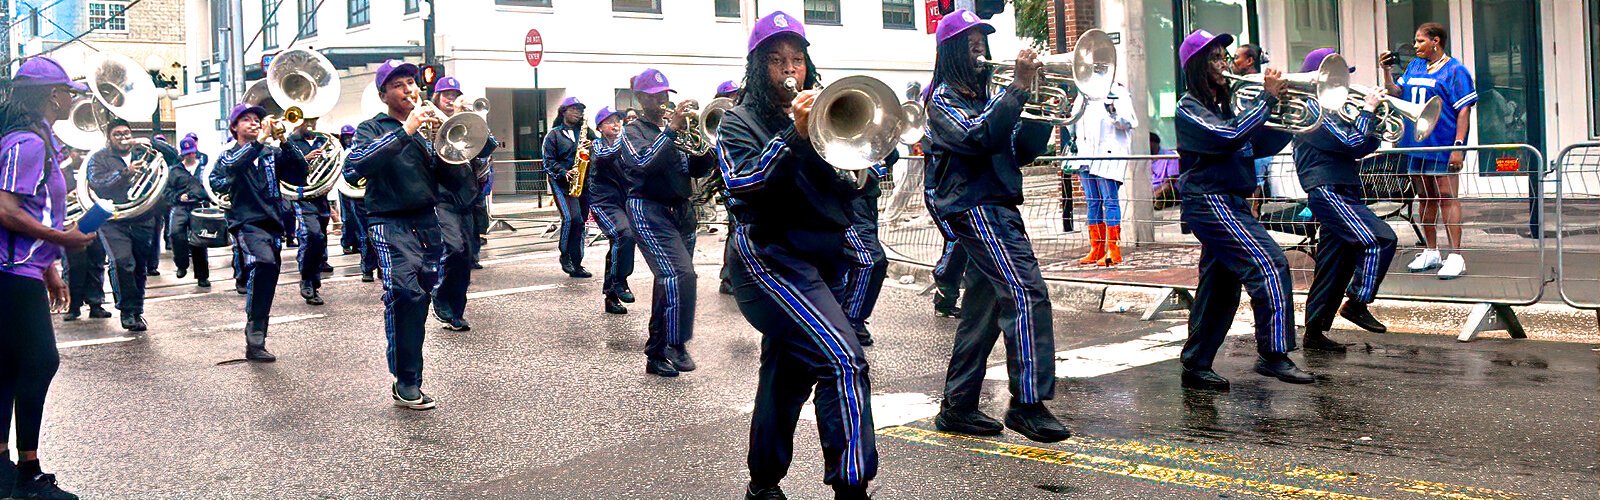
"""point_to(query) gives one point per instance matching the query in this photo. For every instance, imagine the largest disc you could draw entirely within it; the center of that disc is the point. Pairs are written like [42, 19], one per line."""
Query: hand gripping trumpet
[693, 141]
[1327, 87]
[1393, 112]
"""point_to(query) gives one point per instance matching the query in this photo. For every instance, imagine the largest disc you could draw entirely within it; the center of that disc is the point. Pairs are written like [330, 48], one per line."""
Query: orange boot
[1113, 252]
[1097, 244]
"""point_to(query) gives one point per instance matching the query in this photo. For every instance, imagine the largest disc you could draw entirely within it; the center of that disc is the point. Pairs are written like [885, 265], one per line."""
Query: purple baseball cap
[570, 102]
[191, 136]
[240, 110]
[959, 21]
[774, 24]
[347, 130]
[394, 68]
[727, 87]
[187, 146]
[603, 114]
[1200, 41]
[1314, 59]
[40, 71]
[447, 83]
[651, 81]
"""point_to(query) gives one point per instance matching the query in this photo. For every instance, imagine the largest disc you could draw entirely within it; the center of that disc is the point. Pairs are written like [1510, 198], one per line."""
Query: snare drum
[208, 228]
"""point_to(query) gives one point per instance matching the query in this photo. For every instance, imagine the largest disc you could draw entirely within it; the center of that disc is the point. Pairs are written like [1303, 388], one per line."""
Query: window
[108, 15]
[645, 6]
[822, 12]
[308, 18]
[524, 3]
[413, 6]
[1508, 72]
[1313, 24]
[727, 8]
[899, 14]
[269, 24]
[360, 13]
[1594, 68]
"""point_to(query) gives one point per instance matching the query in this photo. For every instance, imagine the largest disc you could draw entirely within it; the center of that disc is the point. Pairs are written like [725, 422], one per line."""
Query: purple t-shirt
[1160, 170]
[29, 168]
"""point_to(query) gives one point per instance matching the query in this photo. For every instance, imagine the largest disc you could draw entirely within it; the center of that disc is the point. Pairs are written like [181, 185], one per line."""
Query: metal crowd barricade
[1500, 224]
[1577, 224]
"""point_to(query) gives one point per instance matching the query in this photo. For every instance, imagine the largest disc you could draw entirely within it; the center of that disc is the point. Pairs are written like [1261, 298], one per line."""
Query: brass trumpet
[1328, 87]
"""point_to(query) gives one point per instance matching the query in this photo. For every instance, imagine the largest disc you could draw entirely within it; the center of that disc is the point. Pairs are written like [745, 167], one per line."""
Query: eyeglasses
[1221, 57]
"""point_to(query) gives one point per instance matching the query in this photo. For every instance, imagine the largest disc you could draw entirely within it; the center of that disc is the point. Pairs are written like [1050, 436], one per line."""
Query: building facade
[72, 31]
[591, 48]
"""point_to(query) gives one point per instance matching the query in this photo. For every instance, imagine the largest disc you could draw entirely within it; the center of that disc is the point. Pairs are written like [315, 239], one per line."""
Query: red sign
[931, 7]
[1507, 164]
[533, 47]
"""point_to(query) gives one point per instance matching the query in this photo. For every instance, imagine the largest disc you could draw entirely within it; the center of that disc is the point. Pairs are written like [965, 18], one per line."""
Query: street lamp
[165, 87]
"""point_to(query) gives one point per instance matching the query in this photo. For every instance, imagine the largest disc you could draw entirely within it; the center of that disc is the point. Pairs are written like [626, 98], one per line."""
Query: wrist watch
[1460, 143]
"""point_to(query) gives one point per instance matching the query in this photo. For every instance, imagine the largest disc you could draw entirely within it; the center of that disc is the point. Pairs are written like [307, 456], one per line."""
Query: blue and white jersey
[1452, 84]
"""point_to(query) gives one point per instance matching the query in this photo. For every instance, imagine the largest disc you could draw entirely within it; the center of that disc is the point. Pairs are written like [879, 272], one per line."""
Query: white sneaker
[1454, 267]
[1428, 259]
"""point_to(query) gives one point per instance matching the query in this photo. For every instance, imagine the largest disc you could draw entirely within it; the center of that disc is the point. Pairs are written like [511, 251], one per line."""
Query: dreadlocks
[758, 91]
[1196, 75]
[953, 66]
[22, 108]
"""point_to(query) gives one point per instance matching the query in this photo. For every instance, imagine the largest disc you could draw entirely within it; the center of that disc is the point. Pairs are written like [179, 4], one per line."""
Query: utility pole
[5, 39]
[428, 33]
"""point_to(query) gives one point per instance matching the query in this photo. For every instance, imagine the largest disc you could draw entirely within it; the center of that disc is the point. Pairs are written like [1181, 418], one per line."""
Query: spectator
[1104, 130]
[1163, 176]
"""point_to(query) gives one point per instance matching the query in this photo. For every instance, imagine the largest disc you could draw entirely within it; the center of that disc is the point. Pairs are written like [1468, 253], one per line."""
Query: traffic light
[946, 6]
[431, 73]
[988, 8]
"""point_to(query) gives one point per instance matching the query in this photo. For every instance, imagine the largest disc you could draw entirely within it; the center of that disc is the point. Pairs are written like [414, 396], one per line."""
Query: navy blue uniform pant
[349, 239]
[1235, 250]
[868, 265]
[574, 214]
[666, 238]
[312, 231]
[355, 221]
[1005, 294]
[409, 249]
[158, 232]
[614, 222]
[1353, 253]
[951, 267]
[128, 250]
[261, 267]
[783, 286]
[185, 255]
[86, 276]
[455, 267]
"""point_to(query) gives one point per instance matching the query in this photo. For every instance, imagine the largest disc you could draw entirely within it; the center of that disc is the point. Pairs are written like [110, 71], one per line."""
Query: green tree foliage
[1033, 22]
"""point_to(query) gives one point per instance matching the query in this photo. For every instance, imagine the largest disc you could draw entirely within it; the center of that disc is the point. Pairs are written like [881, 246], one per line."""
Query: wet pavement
[546, 398]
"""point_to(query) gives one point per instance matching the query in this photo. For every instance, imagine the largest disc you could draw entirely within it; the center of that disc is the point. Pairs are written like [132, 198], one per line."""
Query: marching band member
[250, 172]
[663, 219]
[560, 153]
[354, 211]
[951, 268]
[33, 201]
[1216, 150]
[312, 216]
[608, 195]
[976, 143]
[1355, 243]
[85, 268]
[457, 190]
[127, 241]
[868, 264]
[791, 212]
[730, 90]
[185, 193]
[398, 164]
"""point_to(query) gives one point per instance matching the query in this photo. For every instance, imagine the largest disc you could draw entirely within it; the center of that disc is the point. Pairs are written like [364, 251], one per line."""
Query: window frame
[838, 20]
[107, 4]
[911, 11]
[413, 6]
[269, 25]
[717, 9]
[306, 18]
[546, 4]
[630, 10]
[351, 13]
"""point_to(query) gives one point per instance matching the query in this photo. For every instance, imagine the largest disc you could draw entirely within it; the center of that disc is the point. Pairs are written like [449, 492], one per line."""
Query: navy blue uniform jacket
[1216, 149]
[399, 168]
[976, 148]
[777, 180]
[657, 170]
[1331, 154]
[250, 175]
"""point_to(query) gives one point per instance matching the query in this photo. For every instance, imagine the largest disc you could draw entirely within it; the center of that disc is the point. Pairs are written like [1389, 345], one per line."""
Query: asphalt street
[546, 397]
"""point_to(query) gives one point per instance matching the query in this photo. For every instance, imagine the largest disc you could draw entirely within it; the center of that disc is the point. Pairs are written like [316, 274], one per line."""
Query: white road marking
[531, 256]
[509, 291]
[82, 343]
[179, 297]
[276, 320]
[1106, 359]
[888, 410]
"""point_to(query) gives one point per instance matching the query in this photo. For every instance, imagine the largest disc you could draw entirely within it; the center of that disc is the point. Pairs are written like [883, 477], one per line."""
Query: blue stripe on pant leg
[858, 281]
[1263, 260]
[1002, 261]
[385, 262]
[641, 226]
[1369, 242]
[830, 339]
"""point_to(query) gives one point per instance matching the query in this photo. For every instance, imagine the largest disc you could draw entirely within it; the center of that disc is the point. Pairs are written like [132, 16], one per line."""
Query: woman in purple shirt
[32, 235]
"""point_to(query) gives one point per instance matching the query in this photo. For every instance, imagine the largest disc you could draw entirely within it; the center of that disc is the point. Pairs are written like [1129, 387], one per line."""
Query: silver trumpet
[1393, 112]
[694, 141]
[1328, 87]
[855, 123]
[122, 88]
[1060, 89]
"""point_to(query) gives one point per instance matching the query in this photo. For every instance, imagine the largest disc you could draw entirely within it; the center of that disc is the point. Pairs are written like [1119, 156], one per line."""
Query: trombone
[1393, 112]
[1328, 87]
[1065, 79]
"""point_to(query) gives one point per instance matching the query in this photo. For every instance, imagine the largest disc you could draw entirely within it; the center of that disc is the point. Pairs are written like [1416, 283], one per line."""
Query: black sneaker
[660, 367]
[325, 268]
[203, 283]
[72, 315]
[8, 475]
[614, 305]
[241, 289]
[1034, 421]
[863, 336]
[477, 265]
[259, 354]
[311, 296]
[457, 325]
[1204, 379]
[1283, 369]
[366, 277]
[1357, 313]
[97, 312]
[972, 422]
[725, 288]
[134, 323]
[181, 272]
[753, 492]
[580, 272]
[152, 273]
[411, 398]
[626, 296]
[681, 359]
[41, 486]
[1316, 340]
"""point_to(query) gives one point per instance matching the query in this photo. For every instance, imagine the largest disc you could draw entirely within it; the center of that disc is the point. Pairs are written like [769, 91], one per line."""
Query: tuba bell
[309, 84]
[84, 127]
[711, 118]
[1328, 88]
[1393, 112]
[1065, 80]
[464, 134]
[122, 88]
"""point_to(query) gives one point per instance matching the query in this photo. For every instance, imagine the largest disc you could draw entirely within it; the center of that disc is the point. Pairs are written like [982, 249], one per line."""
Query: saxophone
[580, 168]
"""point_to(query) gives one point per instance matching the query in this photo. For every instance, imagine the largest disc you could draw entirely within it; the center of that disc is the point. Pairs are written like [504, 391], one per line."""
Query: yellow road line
[1175, 474]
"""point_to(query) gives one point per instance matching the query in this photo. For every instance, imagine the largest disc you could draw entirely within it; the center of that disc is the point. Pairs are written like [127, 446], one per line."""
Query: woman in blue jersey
[1435, 74]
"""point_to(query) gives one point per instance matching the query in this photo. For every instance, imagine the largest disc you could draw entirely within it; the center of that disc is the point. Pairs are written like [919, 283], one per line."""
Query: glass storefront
[1594, 68]
[1164, 31]
[1405, 16]
[1507, 72]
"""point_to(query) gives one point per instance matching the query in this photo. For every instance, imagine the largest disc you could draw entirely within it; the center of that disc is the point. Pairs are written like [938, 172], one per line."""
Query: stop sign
[533, 47]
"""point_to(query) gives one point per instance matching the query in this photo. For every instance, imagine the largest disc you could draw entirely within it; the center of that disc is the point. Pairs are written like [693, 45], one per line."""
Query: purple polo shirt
[29, 168]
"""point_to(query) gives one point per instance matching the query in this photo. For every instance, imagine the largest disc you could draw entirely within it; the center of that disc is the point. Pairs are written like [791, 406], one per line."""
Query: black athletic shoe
[97, 312]
[152, 273]
[476, 265]
[241, 289]
[626, 296]
[203, 283]
[1034, 421]
[863, 336]
[311, 296]
[660, 367]
[457, 325]
[972, 422]
[579, 272]
[72, 315]
[1204, 379]
[366, 277]
[753, 492]
[681, 359]
[1357, 313]
[182, 272]
[1316, 340]
[325, 268]
[259, 354]
[614, 305]
[1283, 369]
[41, 486]
[411, 398]
[725, 288]
[8, 475]
[134, 323]
[946, 309]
